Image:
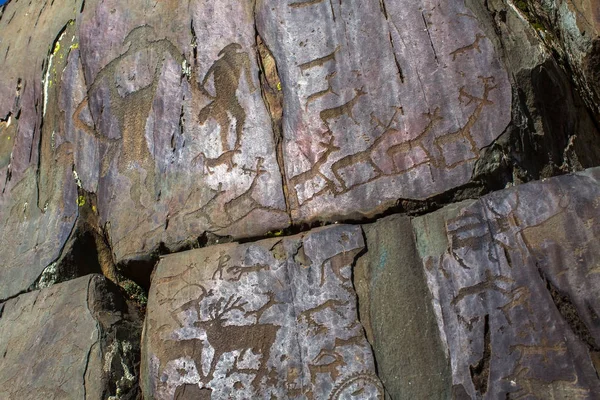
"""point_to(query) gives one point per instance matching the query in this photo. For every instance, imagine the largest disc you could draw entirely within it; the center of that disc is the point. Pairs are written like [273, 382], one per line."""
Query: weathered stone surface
[184, 122]
[272, 319]
[382, 100]
[515, 282]
[552, 131]
[397, 313]
[68, 341]
[37, 191]
[162, 120]
[183, 140]
[572, 28]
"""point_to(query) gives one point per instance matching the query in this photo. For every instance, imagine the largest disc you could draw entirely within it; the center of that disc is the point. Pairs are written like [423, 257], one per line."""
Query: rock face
[572, 28]
[515, 284]
[231, 132]
[359, 124]
[272, 319]
[397, 313]
[68, 341]
[190, 125]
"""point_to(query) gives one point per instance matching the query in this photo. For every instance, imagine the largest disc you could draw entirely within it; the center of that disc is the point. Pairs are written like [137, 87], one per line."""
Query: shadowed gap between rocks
[480, 372]
[569, 312]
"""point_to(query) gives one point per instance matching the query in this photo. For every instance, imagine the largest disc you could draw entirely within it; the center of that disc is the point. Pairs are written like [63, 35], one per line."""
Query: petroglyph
[315, 96]
[318, 62]
[306, 3]
[464, 134]
[472, 46]
[244, 320]
[226, 73]
[515, 256]
[347, 92]
[344, 109]
[134, 102]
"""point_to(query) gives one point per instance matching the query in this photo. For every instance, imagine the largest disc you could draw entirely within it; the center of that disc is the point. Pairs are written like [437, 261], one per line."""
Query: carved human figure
[227, 72]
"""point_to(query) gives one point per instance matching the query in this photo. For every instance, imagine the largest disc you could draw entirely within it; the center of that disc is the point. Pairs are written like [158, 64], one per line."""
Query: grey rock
[37, 191]
[68, 341]
[382, 100]
[398, 315]
[182, 131]
[275, 318]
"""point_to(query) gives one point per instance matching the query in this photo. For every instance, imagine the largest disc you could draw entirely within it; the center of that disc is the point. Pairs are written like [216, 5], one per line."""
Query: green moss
[135, 292]
[537, 25]
[522, 5]
[533, 20]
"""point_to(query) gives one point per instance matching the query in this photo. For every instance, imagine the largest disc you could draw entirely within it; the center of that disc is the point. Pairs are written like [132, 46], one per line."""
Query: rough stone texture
[37, 204]
[552, 131]
[572, 28]
[272, 319]
[184, 123]
[134, 129]
[183, 140]
[65, 342]
[515, 282]
[162, 120]
[397, 313]
[383, 100]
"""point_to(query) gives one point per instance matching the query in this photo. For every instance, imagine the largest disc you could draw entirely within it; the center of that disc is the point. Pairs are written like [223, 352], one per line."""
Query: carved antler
[218, 309]
[192, 304]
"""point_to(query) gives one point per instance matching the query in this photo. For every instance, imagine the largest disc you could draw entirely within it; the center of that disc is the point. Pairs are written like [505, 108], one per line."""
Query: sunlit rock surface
[382, 100]
[132, 130]
[515, 285]
[273, 319]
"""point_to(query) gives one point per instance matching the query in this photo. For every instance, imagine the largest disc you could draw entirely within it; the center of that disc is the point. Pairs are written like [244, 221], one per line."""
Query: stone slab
[398, 315]
[182, 137]
[514, 278]
[38, 194]
[271, 319]
[59, 343]
[382, 100]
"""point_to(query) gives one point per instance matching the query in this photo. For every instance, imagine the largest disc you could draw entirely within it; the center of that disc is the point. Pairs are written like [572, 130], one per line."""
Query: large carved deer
[223, 338]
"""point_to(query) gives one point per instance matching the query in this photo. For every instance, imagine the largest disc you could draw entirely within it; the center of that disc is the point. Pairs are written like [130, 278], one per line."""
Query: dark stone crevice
[272, 95]
[194, 42]
[573, 318]
[120, 322]
[480, 372]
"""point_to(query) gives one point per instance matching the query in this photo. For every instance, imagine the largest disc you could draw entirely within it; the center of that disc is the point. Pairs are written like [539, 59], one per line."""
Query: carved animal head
[230, 49]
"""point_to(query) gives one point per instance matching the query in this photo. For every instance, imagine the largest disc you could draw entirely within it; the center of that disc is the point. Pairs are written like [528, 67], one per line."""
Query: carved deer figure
[223, 338]
[312, 173]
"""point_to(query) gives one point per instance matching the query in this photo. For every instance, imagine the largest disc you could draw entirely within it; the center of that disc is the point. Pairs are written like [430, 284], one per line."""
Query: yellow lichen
[81, 201]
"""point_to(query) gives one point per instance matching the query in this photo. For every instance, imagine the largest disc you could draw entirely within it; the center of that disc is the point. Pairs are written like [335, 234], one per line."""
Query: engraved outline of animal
[259, 338]
[344, 109]
[313, 172]
[367, 154]
[465, 131]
